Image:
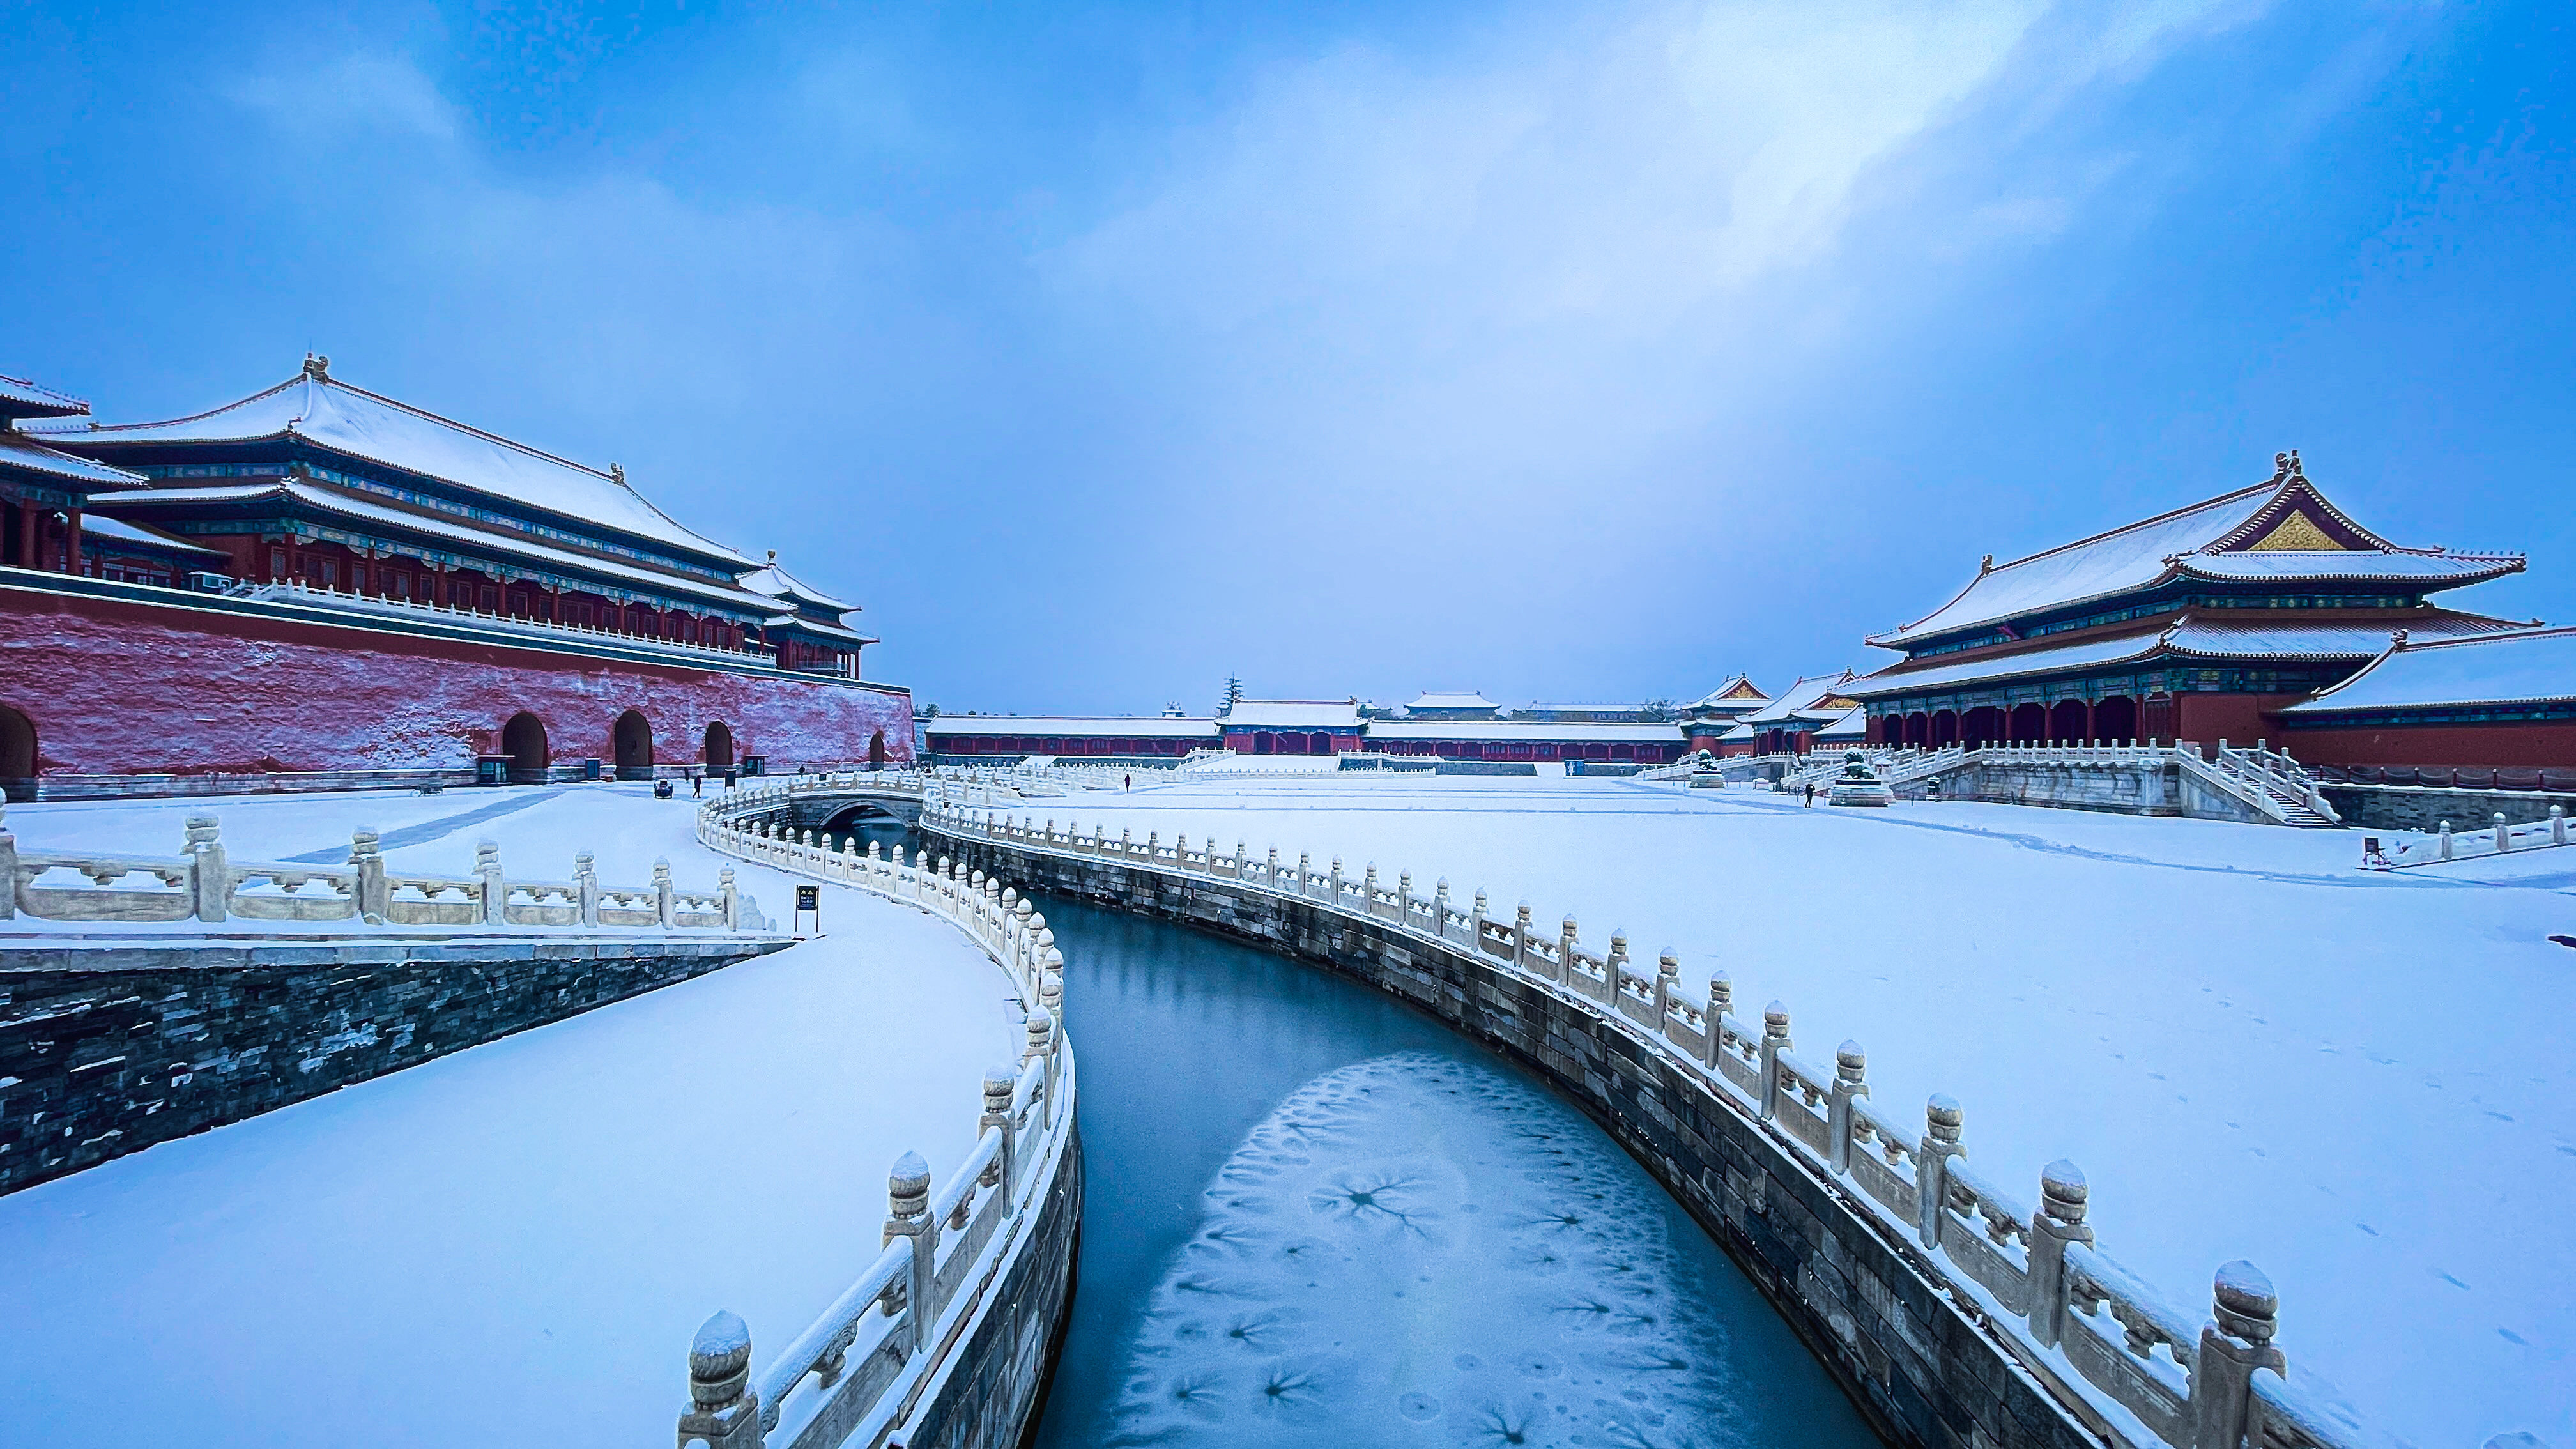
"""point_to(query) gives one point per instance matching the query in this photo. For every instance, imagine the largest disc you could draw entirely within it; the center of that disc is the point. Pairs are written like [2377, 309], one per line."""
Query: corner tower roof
[2280, 530]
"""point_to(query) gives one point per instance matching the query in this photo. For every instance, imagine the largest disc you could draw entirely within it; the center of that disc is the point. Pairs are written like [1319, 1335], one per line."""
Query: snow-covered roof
[464, 535]
[1737, 731]
[2524, 666]
[1094, 726]
[1549, 708]
[332, 414]
[1295, 714]
[1851, 724]
[22, 454]
[1738, 690]
[802, 625]
[2281, 529]
[1462, 699]
[778, 583]
[2189, 634]
[1808, 693]
[1608, 731]
[20, 398]
[99, 525]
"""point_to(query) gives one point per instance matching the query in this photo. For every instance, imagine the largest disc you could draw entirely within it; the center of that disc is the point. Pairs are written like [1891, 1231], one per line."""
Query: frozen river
[1319, 1218]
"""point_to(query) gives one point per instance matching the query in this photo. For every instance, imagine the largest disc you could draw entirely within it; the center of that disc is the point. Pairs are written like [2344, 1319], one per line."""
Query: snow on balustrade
[532, 1217]
[2210, 1015]
[906, 1313]
[204, 886]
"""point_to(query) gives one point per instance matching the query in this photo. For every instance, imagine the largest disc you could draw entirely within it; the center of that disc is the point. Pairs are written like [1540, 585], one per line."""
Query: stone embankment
[1949, 1310]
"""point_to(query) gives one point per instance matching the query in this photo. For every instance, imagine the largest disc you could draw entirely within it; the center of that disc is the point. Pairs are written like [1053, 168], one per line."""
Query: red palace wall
[2508, 743]
[122, 687]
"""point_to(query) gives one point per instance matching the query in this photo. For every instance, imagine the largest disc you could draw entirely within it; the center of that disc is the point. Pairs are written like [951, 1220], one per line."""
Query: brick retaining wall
[107, 1050]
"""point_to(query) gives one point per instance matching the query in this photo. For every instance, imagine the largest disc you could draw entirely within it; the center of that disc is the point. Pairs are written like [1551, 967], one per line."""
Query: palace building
[397, 591]
[2198, 624]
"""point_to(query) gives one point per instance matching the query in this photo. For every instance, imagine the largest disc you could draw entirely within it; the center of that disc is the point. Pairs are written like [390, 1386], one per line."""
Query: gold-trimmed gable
[2297, 533]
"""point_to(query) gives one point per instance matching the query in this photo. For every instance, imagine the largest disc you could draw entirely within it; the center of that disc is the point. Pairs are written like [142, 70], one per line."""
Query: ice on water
[1414, 1250]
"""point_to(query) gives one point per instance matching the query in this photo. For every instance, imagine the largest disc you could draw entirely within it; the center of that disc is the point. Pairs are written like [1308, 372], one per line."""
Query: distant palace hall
[503, 598]
[2206, 623]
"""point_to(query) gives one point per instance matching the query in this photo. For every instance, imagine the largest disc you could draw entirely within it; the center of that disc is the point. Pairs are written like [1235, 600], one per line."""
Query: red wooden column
[71, 544]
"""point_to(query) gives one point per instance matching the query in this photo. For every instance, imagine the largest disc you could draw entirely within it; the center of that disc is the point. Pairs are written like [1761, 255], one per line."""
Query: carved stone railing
[204, 884]
[2402, 852]
[856, 1374]
[2086, 1326]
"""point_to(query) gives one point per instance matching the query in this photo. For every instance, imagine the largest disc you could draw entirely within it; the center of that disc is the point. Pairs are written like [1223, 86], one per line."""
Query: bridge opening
[523, 739]
[632, 739]
[719, 746]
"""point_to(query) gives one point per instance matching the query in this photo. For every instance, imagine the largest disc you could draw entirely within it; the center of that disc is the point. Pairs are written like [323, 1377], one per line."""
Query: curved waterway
[1317, 1217]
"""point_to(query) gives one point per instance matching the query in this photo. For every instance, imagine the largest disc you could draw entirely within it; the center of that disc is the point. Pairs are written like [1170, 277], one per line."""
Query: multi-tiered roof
[2270, 575]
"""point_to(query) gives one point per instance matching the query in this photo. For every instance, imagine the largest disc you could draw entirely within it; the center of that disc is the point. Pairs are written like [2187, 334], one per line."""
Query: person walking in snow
[1129, 781]
[1811, 794]
[697, 785]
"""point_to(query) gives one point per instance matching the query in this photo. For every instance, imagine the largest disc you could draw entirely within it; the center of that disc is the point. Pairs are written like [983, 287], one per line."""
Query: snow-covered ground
[512, 1244]
[2359, 1081]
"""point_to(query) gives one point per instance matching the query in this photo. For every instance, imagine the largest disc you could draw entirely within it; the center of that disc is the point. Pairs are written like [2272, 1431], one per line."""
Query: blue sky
[1552, 350]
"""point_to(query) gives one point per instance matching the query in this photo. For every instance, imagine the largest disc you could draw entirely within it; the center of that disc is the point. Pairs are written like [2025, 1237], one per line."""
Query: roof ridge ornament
[617, 474]
[317, 367]
[1986, 566]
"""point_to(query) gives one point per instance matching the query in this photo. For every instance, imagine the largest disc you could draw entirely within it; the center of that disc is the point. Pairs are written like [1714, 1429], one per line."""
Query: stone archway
[719, 745]
[523, 739]
[877, 751]
[17, 753]
[632, 739]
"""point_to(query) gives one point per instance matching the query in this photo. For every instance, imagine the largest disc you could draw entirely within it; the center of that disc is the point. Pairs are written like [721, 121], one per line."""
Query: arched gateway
[719, 746]
[523, 739]
[633, 740]
[17, 749]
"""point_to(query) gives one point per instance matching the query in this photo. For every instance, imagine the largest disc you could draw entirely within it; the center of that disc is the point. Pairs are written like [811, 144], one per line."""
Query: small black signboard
[809, 898]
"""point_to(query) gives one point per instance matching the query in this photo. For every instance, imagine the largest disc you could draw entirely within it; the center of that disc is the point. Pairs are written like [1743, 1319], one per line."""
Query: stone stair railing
[855, 1374]
[2086, 1325]
[2268, 780]
[204, 884]
[2498, 838]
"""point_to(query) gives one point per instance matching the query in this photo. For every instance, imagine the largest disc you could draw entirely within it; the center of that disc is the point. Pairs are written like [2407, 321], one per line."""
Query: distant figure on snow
[1129, 780]
[697, 785]
[1811, 794]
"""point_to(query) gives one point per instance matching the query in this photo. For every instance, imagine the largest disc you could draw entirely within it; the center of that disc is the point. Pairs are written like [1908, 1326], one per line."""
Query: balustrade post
[8, 867]
[1368, 890]
[1476, 925]
[1041, 1047]
[1850, 1085]
[1775, 1040]
[2557, 832]
[371, 892]
[1668, 979]
[2503, 836]
[1242, 862]
[1404, 898]
[2446, 840]
[1440, 909]
[663, 905]
[1611, 965]
[496, 890]
[2231, 1349]
[210, 877]
[1125, 849]
[1305, 871]
[724, 1409]
[1270, 872]
[908, 1216]
[2059, 1221]
[1521, 933]
[1333, 882]
[732, 895]
[1942, 1120]
[1000, 1084]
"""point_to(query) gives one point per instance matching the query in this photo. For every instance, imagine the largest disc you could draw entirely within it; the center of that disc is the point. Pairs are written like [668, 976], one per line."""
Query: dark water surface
[1318, 1217]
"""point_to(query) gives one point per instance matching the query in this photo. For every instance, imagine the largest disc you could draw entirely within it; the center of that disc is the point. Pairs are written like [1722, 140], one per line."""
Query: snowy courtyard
[512, 1244]
[2252, 1048]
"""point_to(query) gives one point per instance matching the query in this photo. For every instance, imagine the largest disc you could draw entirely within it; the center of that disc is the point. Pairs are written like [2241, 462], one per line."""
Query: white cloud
[363, 92]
